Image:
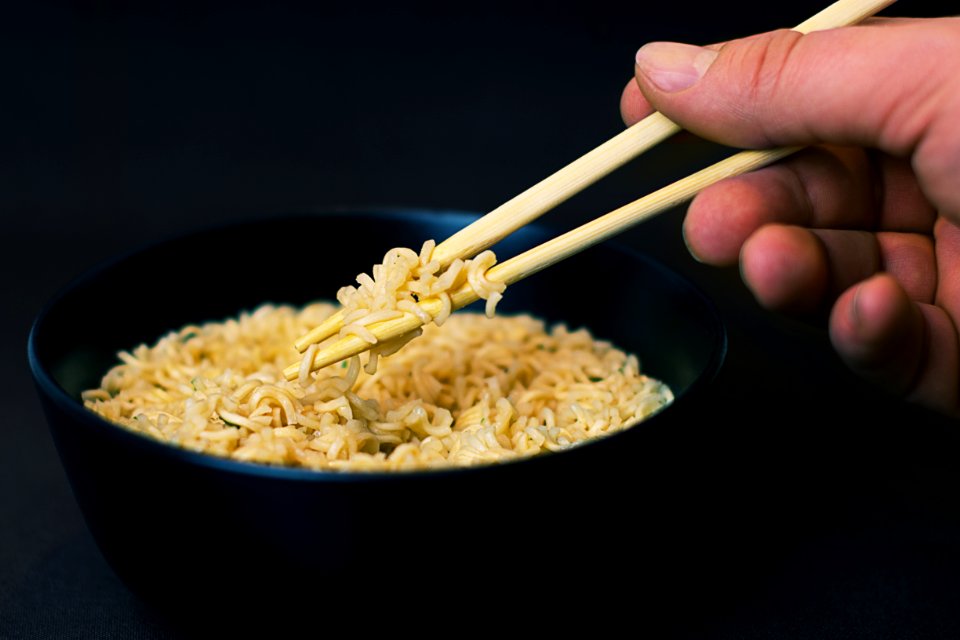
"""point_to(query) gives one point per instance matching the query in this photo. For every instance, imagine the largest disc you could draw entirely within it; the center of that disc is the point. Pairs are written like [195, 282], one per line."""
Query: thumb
[874, 85]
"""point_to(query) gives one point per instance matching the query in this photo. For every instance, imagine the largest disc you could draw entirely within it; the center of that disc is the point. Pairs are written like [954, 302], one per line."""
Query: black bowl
[177, 525]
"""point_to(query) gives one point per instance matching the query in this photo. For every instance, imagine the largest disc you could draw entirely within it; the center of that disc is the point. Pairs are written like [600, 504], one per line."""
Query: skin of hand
[866, 219]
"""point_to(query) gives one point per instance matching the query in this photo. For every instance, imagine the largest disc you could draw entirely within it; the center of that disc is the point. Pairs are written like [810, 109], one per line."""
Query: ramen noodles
[398, 285]
[475, 390]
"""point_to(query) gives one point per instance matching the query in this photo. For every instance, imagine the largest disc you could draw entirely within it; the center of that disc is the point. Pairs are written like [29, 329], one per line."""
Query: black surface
[122, 124]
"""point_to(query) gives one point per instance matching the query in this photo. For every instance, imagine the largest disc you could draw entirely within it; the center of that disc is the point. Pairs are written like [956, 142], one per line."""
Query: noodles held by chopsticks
[399, 283]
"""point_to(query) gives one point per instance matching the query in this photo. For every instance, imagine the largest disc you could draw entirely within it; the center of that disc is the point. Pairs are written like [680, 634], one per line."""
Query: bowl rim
[74, 407]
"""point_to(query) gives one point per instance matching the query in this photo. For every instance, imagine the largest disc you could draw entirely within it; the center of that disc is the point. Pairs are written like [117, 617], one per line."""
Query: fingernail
[686, 241]
[671, 66]
[855, 307]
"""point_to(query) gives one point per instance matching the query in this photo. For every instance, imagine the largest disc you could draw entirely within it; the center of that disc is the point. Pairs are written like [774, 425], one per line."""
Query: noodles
[475, 391]
[400, 282]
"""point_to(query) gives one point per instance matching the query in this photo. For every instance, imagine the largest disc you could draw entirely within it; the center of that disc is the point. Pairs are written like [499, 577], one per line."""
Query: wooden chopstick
[560, 186]
[557, 249]
[619, 220]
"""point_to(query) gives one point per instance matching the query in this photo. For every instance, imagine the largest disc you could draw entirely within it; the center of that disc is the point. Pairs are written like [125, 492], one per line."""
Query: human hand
[866, 220]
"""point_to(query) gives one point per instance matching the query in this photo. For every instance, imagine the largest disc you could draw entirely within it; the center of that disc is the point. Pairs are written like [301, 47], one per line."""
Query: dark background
[126, 123]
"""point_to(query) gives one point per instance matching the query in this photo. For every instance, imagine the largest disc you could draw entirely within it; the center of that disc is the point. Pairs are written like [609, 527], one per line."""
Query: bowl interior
[620, 296]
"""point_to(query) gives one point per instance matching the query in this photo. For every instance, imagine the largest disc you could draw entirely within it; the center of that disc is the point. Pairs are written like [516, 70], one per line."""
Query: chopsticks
[555, 189]
[555, 250]
[534, 202]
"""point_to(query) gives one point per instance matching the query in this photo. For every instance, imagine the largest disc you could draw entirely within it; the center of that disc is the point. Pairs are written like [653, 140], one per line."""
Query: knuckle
[763, 65]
